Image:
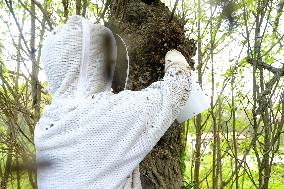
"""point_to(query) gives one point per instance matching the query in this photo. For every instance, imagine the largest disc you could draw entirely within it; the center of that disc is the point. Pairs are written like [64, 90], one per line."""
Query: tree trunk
[198, 125]
[149, 32]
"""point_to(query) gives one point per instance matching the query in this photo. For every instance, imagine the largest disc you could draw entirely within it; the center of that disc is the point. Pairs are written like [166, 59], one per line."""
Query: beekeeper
[89, 137]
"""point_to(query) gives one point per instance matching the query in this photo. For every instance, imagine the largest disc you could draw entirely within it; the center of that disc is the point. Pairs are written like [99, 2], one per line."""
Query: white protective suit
[89, 137]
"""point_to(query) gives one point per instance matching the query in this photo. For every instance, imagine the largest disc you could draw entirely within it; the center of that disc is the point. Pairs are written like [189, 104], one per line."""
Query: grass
[276, 178]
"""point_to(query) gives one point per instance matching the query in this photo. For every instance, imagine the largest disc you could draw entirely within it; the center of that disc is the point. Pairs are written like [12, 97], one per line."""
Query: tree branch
[261, 64]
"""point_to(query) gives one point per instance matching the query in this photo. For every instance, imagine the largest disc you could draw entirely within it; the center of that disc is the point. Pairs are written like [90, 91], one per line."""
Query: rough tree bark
[149, 32]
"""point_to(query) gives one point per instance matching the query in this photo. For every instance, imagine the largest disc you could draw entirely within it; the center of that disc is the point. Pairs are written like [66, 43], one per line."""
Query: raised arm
[150, 112]
[166, 98]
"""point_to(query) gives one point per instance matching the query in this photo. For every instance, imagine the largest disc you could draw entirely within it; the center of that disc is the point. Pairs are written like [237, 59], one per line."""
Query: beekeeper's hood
[74, 61]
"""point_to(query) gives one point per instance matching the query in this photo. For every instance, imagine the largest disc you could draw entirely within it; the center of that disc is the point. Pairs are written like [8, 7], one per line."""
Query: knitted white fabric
[97, 139]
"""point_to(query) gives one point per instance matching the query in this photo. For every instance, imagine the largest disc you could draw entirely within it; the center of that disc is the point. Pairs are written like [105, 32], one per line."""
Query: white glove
[175, 58]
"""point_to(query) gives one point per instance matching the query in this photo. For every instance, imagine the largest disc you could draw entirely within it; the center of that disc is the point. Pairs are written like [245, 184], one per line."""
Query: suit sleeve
[153, 110]
[164, 100]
